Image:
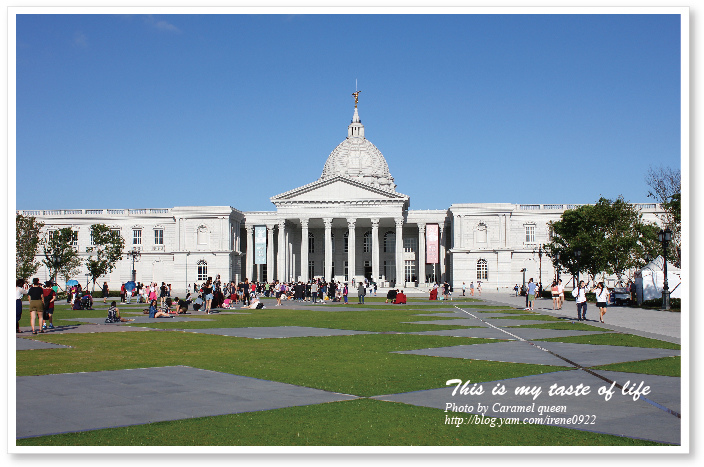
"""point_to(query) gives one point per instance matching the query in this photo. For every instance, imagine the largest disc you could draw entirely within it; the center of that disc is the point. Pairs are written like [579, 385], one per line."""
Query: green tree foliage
[27, 240]
[60, 255]
[105, 252]
[665, 187]
[611, 236]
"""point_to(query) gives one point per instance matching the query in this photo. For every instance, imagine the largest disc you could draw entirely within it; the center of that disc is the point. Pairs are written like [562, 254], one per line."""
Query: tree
[105, 252]
[27, 240]
[611, 236]
[666, 188]
[59, 253]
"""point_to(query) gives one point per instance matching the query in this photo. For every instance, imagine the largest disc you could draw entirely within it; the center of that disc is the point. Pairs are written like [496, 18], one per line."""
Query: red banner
[432, 244]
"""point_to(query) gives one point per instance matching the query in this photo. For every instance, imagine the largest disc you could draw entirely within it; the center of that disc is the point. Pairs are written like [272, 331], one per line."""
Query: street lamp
[540, 257]
[557, 258]
[665, 236]
[524, 285]
[577, 253]
[135, 254]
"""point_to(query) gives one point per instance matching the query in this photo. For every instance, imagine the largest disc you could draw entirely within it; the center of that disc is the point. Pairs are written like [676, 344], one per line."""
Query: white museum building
[349, 224]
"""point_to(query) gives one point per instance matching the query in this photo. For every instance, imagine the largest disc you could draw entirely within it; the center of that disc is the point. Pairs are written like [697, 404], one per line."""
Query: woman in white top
[602, 298]
[21, 290]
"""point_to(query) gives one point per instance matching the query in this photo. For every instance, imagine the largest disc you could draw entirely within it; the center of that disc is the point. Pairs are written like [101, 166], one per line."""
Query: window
[136, 236]
[202, 270]
[367, 242]
[347, 270]
[332, 273]
[74, 238]
[410, 270]
[158, 236]
[92, 239]
[410, 244]
[530, 234]
[390, 270]
[311, 242]
[481, 233]
[347, 242]
[482, 270]
[389, 242]
[332, 242]
[311, 269]
[551, 232]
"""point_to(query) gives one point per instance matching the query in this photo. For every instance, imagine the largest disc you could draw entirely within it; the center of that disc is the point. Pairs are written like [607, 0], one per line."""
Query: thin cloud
[161, 24]
[80, 39]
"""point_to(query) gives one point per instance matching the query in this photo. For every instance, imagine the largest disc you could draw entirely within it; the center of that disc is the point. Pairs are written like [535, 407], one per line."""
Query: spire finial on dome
[356, 98]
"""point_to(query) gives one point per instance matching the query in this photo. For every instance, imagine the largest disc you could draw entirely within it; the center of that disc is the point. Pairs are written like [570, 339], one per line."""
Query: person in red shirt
[49, 298]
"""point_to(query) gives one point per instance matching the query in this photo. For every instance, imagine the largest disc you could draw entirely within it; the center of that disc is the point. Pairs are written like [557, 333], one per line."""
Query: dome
[358, 159]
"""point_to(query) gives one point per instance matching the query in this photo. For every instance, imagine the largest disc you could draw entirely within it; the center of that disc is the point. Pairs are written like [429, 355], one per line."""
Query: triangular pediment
[337, 189]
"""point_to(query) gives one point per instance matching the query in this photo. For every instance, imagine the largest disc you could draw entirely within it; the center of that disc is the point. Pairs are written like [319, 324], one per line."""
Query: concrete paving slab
[89, 328]
[140, 320]
[278, 332]
[476, 322]
[491, 333]
[620, 416]
[126, 397]
[31, 344]
[522, 352]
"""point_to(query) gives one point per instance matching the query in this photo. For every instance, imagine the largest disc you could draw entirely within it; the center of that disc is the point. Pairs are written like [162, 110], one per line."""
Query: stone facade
[349, 224]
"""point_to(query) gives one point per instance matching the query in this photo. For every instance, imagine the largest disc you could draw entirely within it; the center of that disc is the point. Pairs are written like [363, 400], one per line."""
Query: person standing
[531, 293]
[561, 293]
[479, 288]
[464, 288]
[314, 291]
[361, 292]
[106, 291]
[21, 291]
[471, 288]
[515, 289]
[36, 304]
[602, 300]
[345, 291]
[208, 293]
[580, 295]
[122, 293]
[555, 295]
[49, 297]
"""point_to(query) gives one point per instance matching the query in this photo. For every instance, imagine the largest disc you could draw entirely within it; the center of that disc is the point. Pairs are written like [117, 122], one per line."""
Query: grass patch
[362, 365]
[364, 422]
[615, 338]
[666, 366]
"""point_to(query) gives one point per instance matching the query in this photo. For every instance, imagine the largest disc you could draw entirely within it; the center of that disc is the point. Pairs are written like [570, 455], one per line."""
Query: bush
[675, 304]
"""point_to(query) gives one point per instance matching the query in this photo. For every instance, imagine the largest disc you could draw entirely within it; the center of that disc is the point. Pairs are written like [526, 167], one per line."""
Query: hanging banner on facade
[259, 244]
[432, 243]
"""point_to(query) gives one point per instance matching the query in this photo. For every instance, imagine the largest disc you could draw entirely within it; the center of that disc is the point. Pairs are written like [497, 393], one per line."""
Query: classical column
[328, 248]
[280, 271]
[375, 250]
[304, 250]
[351, 254]
[270, 252]
[400, 266]
[249, 268]
[442, 251]
[420, 266]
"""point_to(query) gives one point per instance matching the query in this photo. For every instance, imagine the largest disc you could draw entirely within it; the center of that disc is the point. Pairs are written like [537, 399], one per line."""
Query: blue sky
[130, 111]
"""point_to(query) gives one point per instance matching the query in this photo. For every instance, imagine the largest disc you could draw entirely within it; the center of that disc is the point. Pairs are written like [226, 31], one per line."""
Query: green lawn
[361, 365]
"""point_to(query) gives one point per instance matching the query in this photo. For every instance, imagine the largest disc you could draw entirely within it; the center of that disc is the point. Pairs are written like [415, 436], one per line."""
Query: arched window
[311, 242]
[482, 270]
[367, 242]
[202, 270]
[202, 235]
[389, 242]
[347, 242]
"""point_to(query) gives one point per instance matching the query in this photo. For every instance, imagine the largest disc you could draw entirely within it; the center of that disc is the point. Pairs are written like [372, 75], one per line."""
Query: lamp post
[524, 285]
[557, 257]
[540, 257]
[665, 236]
[577, 254]
[135, 254]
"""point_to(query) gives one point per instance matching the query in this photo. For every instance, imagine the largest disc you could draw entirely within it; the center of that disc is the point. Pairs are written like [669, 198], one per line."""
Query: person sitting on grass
[154, 313]
[400, 298]
[182, 305]
[114, 315]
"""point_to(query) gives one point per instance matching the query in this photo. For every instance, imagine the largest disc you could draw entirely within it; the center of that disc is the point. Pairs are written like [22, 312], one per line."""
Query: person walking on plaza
[464, 288]
[561, 293]
[36, 304]
[122, 293]
[361, 292]
[515, 289]
[21, 291]
[106, 290]
[49, 298]
[471, 288]
[580, 295]
[555, 295]
[602, 300]
[531, 294]
[208, 293]
[479, 288]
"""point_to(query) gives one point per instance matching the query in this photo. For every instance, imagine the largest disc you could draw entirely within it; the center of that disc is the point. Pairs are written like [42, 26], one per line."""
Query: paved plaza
[89, 401]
